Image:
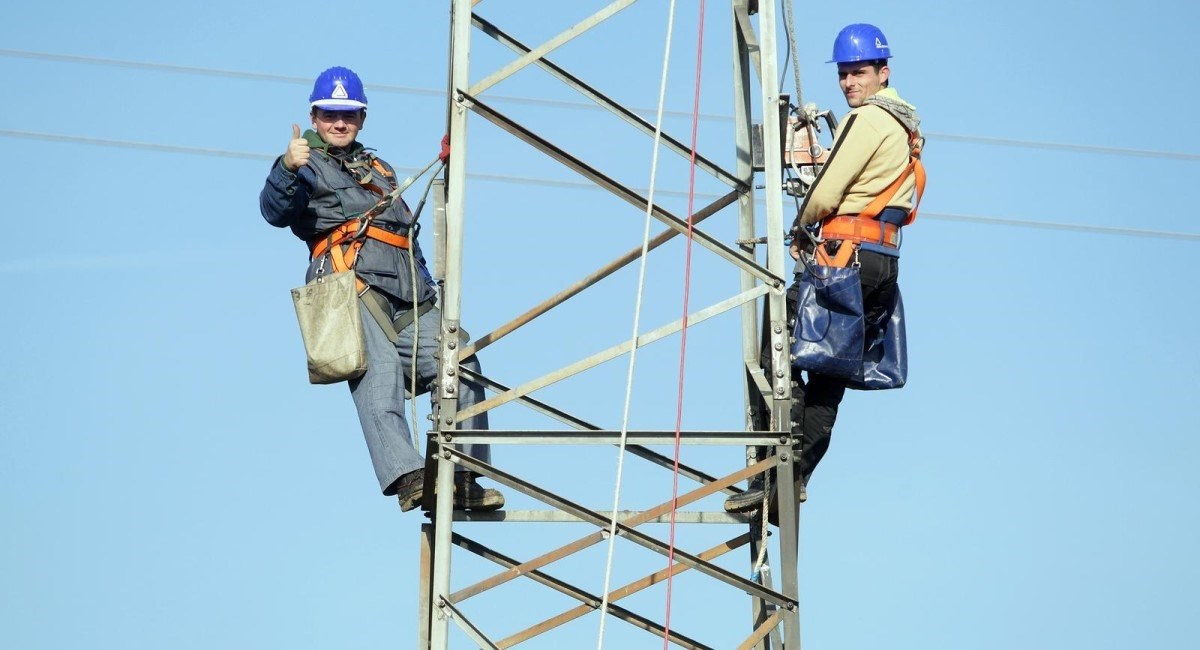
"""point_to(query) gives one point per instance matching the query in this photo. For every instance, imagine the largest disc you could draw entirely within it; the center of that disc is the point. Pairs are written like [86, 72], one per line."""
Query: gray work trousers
[379, 395]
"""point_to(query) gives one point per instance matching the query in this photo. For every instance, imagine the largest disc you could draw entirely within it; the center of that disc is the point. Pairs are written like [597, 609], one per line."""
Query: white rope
[412, 275]
[637, 315]
[760, 561]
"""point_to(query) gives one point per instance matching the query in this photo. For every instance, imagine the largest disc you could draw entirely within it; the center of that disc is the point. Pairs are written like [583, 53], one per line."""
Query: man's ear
[884, 73]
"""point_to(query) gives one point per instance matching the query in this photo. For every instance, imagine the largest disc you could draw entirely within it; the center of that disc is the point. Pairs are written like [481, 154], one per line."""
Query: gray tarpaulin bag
[332, 328]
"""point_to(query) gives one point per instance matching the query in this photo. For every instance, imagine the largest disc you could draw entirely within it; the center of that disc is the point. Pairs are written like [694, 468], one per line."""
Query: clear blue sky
[169, 479]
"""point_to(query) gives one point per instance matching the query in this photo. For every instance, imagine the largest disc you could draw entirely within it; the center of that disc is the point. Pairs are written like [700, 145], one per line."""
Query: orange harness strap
[343, 254]
[857, 229]
[865, 226]
[914, 167]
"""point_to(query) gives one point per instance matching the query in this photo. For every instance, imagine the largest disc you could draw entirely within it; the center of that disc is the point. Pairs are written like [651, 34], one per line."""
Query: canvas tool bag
[828, 333]
[331, 326]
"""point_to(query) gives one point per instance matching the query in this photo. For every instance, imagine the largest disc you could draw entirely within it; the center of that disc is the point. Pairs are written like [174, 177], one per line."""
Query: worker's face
[860, 80]
[338, 128]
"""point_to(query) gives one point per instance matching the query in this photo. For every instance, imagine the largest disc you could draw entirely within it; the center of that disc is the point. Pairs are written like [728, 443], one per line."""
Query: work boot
[469, 495]
[410, 488]
[751, 499]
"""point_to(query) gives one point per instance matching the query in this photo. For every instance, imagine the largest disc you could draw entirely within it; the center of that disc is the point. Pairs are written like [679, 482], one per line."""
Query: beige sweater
[869, 153]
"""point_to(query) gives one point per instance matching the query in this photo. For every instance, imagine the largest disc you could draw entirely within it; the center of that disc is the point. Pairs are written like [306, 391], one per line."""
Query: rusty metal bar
[761, 631]
[591, 601]
[598, 536]
[624, 530]
[622, 592]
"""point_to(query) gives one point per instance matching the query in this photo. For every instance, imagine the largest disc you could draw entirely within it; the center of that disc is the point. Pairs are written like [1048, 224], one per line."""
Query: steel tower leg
[767, 395]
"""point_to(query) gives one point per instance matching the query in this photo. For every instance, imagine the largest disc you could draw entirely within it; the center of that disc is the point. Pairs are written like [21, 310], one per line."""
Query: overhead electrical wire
[544, 182]
[431, 92]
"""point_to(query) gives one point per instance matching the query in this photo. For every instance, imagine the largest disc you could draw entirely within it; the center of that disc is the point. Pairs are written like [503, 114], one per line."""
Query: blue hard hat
[338, 89]
[860, 42]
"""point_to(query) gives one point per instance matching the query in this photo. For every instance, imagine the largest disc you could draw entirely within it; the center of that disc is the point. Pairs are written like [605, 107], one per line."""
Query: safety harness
[343, 243]
[865, 227]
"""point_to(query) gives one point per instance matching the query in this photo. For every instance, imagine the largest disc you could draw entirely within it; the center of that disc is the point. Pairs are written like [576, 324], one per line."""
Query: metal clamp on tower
[800, 148]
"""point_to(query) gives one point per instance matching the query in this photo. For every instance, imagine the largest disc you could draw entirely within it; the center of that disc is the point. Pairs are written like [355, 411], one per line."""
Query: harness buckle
[364, 222]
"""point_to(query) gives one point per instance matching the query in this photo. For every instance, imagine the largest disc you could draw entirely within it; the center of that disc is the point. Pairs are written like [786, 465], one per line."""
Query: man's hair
[313, 111]
[878, 64]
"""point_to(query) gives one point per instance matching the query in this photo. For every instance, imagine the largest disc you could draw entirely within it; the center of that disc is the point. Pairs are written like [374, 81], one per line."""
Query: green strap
[377, 305]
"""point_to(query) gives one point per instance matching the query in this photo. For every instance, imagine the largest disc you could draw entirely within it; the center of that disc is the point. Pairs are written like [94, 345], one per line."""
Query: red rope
[687, 285]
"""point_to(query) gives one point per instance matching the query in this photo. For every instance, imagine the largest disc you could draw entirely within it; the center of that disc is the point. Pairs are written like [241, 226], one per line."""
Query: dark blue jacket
[324, 193]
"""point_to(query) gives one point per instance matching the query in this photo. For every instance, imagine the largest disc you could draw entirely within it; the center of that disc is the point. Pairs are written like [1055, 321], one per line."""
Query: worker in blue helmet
[320, 185]
[863, 196]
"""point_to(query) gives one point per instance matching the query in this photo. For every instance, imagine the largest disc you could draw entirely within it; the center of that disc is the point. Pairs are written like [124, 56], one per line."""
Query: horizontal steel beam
[682, 501]
[555, 516]
[661, 460]
[612, 437]
[628, 532]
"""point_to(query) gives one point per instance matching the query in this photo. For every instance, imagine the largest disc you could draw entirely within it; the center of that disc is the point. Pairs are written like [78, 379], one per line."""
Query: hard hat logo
[338, 89]
[860, 42]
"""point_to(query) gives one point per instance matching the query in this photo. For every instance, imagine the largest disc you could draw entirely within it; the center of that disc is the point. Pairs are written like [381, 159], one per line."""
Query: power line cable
[430, 92]
[571, 184]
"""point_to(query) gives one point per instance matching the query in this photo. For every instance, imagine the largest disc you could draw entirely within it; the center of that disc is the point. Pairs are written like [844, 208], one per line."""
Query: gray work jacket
[322, 195]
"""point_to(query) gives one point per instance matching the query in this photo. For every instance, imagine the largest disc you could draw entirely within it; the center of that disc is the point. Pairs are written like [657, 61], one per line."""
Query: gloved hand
[444, 156]
[297, 153]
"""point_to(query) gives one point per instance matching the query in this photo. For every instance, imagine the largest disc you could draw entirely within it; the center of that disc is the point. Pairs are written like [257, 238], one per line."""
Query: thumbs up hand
[297, 152]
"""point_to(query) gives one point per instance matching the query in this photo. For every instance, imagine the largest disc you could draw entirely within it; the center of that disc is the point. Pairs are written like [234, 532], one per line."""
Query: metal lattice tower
[774, 620]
